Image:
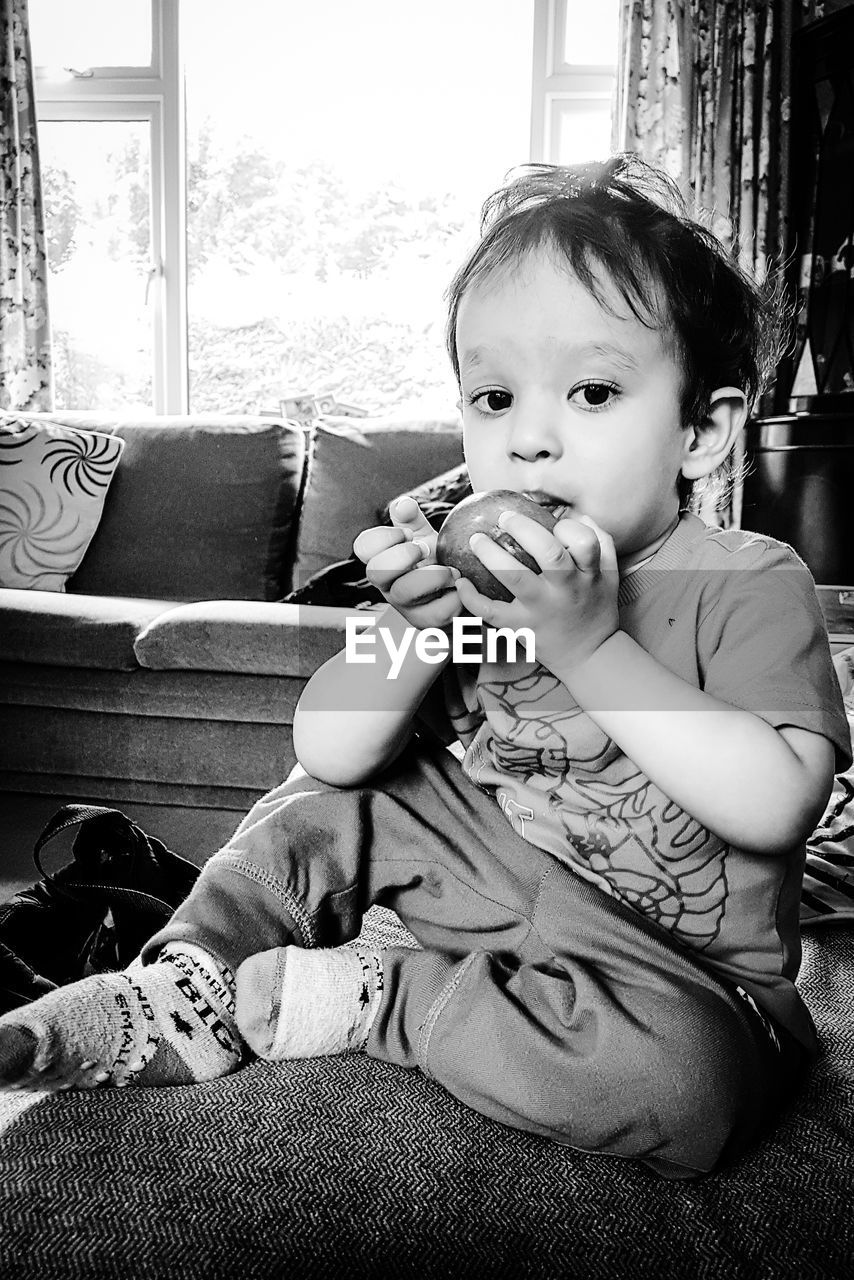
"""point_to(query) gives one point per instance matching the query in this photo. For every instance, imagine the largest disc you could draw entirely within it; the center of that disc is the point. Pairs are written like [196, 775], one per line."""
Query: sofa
[163, 681]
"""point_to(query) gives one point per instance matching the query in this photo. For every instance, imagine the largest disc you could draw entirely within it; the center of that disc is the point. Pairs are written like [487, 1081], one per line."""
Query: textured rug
[349, 1167]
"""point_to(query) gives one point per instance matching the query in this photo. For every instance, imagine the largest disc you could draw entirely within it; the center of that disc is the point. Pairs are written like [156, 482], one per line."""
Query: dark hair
[674, 274]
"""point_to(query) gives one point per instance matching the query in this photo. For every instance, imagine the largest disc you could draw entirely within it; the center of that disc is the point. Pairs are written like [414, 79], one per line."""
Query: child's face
[561, 396]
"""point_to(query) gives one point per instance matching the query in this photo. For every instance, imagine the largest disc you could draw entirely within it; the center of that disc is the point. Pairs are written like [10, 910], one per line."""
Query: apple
[479, 514]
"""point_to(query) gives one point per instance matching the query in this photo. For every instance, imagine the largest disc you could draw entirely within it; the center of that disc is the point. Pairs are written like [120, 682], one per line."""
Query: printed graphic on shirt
[565, 786]
[745, 634]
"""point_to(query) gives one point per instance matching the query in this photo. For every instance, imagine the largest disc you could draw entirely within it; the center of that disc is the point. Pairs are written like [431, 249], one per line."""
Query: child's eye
[491, 401]
[594, 395]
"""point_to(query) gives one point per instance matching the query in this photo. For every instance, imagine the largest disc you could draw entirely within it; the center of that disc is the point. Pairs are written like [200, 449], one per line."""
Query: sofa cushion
[354, 470]
[201, 508]
[181, 695]
[53, 483]
[344, 583]
[55, 629]
[251, 637]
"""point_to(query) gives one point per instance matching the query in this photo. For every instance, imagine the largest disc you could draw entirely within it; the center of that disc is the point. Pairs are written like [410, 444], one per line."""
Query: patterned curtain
[25, 364]
[704, 93]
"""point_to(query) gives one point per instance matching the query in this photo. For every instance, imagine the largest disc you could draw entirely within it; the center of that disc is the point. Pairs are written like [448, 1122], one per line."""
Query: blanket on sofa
[351, 1167]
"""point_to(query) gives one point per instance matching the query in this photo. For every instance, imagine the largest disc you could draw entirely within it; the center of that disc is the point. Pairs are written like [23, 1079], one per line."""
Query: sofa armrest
[53, 628]
[246, 636]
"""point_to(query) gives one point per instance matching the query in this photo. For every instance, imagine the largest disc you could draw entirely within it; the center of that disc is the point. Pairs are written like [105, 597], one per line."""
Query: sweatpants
[534, 997]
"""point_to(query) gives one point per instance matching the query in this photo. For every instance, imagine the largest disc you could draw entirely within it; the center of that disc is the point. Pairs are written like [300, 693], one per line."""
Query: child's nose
[534, 435]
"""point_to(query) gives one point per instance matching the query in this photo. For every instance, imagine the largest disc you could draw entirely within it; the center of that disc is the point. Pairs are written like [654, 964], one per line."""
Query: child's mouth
[559, 508]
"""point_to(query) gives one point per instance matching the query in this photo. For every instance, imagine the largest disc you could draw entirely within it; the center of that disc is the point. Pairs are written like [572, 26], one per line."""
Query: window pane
[592, 33]
[90, 33]
[583, 131]
[332, 196]
[95, 177]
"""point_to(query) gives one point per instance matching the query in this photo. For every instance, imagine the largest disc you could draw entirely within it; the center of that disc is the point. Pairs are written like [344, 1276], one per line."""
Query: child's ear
[707, 443]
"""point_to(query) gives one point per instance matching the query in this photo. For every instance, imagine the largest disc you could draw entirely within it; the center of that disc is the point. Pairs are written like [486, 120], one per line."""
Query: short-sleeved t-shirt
[736, 615]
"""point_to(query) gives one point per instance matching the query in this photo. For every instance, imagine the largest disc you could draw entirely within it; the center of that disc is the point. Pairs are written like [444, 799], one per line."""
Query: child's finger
[371, 542]
[607, 550]
[426, 583]
[581, 540]
[389, 565]
[407, 516]
[405, 512]
[492, 612]
[536, 539]
[504, 566]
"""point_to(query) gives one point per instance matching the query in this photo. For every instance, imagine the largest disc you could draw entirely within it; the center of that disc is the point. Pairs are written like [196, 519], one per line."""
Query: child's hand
[401, 563]
[571, 605]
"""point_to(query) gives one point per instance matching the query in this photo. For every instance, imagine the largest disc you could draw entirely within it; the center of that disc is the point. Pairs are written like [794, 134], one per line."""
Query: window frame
[560, 87]
[152, 95]
[155, 94]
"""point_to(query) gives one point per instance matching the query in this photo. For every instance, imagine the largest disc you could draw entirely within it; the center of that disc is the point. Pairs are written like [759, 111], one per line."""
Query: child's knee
[707, 1084]
[684, 1093]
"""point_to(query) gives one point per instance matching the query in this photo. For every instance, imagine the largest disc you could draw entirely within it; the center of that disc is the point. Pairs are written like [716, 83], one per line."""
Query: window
[331, 194]
[111, 147]
[100, 257]
[246, 204]
[575, 66]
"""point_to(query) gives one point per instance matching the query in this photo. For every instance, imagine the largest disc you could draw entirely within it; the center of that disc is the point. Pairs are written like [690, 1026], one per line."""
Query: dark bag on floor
[94, 914]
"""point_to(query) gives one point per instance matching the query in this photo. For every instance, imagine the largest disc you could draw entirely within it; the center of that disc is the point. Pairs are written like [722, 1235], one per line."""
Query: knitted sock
[295, 1003]
[169, 1022]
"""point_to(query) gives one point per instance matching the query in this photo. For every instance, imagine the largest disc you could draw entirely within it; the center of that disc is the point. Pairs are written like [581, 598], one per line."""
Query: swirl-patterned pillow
[53, 483]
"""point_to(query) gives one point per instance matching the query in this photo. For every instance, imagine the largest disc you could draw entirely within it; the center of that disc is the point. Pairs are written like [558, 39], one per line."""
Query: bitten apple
[479, 514]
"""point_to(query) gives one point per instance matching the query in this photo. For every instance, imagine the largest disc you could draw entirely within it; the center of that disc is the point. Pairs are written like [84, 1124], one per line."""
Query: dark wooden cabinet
[800, 486]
